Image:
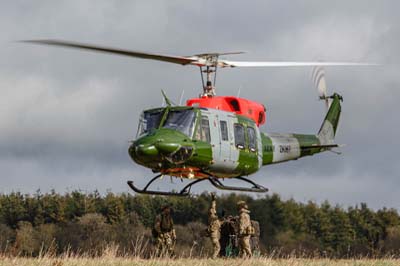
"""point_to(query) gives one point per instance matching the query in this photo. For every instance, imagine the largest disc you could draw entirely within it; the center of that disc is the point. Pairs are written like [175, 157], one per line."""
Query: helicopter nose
[153, 150]
[166, 147]
[145, 150]
[156, 152]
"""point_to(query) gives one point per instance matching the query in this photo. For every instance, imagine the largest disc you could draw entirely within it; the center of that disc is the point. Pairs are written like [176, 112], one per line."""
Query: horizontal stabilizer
[329, 146]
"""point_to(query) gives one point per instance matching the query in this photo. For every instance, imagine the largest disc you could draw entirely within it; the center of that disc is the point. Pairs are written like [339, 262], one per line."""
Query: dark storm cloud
[66, 116]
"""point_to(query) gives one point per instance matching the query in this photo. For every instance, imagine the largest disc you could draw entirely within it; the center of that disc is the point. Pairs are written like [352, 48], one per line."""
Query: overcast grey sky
[66, 116]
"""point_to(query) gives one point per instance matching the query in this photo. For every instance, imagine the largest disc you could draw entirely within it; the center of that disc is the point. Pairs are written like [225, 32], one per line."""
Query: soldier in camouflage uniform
[164, 232]
[214, 226]
[246, 230]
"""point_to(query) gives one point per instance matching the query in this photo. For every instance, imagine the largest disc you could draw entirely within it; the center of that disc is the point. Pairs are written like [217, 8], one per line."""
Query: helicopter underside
[192, 172]
[186, 172]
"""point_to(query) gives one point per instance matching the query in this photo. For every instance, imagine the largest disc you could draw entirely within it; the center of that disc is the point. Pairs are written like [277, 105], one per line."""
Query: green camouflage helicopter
[217, 137]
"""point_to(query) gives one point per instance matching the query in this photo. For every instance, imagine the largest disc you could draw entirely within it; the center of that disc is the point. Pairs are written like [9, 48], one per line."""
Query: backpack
[154, 232]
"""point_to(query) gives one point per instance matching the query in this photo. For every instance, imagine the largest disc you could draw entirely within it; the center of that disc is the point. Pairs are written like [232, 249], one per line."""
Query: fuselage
[192, 142]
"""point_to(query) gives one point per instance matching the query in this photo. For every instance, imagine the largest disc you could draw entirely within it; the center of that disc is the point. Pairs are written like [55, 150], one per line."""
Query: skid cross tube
[184, 191]
[256, 187]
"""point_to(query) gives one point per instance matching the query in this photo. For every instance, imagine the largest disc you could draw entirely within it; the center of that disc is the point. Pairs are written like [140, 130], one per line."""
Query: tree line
[90, 222]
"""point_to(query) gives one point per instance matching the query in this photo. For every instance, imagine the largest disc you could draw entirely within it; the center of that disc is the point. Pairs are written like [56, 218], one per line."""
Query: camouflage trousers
[165, 243]
[215, 236]
[244, 246]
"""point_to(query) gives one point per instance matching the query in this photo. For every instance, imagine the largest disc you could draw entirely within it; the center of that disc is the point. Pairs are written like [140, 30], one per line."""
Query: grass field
[115, 261]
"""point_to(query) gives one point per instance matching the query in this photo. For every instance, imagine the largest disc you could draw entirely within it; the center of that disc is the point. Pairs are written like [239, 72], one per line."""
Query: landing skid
[256, 187]
[186, 190]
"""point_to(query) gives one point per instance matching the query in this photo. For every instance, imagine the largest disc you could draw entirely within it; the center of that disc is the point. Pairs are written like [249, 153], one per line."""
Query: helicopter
[214, 137]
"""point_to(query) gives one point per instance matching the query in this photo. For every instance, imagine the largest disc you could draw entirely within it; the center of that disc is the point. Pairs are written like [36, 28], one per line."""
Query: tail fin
[327, 132]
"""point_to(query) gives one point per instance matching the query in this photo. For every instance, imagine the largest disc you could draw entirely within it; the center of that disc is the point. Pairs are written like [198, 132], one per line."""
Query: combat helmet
[242, 205]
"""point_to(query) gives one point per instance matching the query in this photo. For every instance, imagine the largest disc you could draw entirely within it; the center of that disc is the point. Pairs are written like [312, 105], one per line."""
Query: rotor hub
[208, 79]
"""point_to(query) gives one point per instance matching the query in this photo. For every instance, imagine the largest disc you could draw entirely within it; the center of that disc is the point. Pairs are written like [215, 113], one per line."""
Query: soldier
[214, 226]
[245, 230]
[164, 232]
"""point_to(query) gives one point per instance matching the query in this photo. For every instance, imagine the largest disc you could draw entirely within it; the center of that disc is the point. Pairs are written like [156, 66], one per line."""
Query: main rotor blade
[225, 63]
[210, 59]
[166, 58]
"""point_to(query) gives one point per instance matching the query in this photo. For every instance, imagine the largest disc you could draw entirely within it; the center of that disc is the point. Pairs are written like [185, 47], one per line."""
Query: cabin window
[203, 132]
[251, 134]
[224, 130]
[239, 136]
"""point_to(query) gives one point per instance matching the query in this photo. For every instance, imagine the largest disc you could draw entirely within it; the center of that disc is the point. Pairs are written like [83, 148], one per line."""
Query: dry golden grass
[191, 262]
[131, 261]
[111, 256]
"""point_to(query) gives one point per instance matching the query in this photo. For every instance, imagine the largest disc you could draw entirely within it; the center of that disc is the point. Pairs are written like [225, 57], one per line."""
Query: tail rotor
[318, 78]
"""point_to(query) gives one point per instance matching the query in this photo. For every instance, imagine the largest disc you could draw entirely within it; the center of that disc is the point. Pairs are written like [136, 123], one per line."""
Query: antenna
[180, 100]
[167, 101]
[163, 102]
[239, 90]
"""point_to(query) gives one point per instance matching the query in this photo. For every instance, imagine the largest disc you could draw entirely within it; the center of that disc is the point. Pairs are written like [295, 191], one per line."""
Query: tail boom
[284, 147]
